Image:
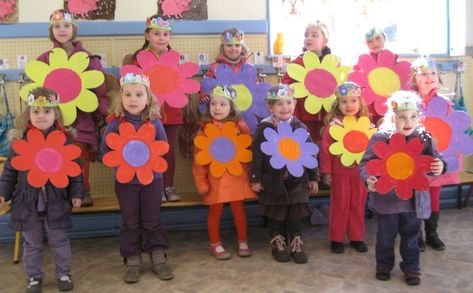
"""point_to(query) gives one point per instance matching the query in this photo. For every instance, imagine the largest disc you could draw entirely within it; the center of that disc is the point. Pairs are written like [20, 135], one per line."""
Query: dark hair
[51, 34]
[146, 43]
[234, 114]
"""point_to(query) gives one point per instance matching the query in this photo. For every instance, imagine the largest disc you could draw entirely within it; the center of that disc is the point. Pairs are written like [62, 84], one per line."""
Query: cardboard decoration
[448, 131]
[91, 9]
[351, 139]
[170, 81]
[290, 149]
[401, 166]
[8, 11]
[251, 95]
[223, 149]
[46, 158]
[69, 78]
[380, 78]
[135, 153]
[317, 81]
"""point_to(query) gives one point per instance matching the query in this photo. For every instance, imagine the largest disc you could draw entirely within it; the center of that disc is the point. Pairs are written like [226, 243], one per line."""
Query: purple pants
[140, 207]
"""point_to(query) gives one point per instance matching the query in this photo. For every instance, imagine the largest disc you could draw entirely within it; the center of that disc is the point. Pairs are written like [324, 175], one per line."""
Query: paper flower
[135, 153]
[224, 149]
[351, 139]
[251, 95]
[69, 78]
[289, 149]
[46, 158]
[379, 79]
[317, 81]
[400, 165]
[169, 80]
[448, 131]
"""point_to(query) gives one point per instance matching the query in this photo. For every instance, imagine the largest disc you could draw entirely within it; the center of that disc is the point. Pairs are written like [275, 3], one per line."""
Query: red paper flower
[400, 166]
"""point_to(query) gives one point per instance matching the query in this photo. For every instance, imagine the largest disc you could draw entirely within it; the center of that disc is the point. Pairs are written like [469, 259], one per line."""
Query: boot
[159, 266]
[278, 249]
[420, 242]
[297, 252]
[431, 237]
[87, 200]
[133, 265]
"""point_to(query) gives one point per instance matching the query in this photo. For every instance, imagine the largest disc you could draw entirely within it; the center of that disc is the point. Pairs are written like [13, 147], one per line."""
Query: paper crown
[158, 22]
[280, 91]
[404, 100]
[374, 32]
[43, 100]
[59, 16]
[130, 78]
[322, 26]
[233, 38]
[348, 89]
[224, 91]
[423, 64]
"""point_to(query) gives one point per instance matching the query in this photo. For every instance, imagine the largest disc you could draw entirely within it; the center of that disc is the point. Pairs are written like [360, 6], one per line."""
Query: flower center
[49, 160]
[64, 81]
[244, 97]
[441, 132]
[355, 141]
[384, 81]
[136, 153]
[164, 79]
[320, 83]
[222, 149]
[400, 166]
[289, 149]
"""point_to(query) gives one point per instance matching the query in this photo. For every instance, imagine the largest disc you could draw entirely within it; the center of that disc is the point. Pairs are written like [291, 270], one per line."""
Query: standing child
[140, 204]
[36, 210]
[283, 196]
[348, 192]
[395, 215]
[374, 39]
[63, 33]
[219, 189]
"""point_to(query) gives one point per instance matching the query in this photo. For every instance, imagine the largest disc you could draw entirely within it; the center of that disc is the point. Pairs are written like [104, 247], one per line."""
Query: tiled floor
[97, 265]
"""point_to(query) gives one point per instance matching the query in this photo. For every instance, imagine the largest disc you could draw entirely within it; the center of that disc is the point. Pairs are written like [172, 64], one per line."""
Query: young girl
[226, 188]
[374, 40]
[348, 192]
[63, 33]
[157, 38]
[315, 40]
[140, 205]
[284, 197]
[45, 209]
[397, 216]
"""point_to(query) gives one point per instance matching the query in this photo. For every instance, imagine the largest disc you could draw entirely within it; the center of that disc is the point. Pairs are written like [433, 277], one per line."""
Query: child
[63, 33]
[284, 198]
[348, 192]
[140, 205]
[315, 40]
[374, 39]
[45, 209]
[227, 188]
[157, 38]
[397, 216]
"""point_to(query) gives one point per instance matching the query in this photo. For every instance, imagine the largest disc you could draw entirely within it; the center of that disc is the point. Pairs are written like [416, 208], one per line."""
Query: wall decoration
[8, 11]
[183, 9]
[91, 9]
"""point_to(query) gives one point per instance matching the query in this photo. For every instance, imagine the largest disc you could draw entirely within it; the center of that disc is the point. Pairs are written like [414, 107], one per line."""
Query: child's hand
[2, 201]
[436, 167]
[313, 187]
[204, 191]
[370, 182]
[257, 187]
[327, 178]
[76, 202]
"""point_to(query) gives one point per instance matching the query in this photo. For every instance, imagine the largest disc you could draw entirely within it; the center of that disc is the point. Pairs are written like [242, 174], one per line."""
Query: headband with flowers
[159, 22]
[280, 92]
[61, 17]
[131, 78]
[348, 89]
[233, 39]
[224, 91]
[322, 26]
[404, 100]
[43, 101]
[374, 32]
[423, 64]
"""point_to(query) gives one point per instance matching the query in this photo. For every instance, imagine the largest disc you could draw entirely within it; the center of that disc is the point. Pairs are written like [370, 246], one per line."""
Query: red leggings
[239, 216]
[435, 197]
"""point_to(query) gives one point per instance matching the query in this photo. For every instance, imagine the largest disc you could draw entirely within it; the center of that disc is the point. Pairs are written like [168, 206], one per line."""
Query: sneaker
[171, 194]
[412, 278]
[219, 252]
[359, 246]
[383, 276]
[337, 247]
[163, 271]
[279, 250]
[297, 252]
[243, 249]
[64, 283]
[34, 285]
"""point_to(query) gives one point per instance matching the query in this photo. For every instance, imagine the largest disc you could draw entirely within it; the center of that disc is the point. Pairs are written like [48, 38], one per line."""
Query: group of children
[282, 192]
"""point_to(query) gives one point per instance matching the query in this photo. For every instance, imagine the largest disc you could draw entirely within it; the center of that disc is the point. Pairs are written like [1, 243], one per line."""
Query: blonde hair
[336, 113]
[234, 114]
[150, 111]
[393, 101]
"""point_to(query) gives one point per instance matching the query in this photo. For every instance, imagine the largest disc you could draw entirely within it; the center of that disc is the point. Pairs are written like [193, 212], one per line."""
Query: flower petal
[295, 168]
[57, 58]
[112, 159]
[59, 179]
[92, 79]
[125, 174]
[78, 62]
[217, 169]
[296, 71]
[145, 176]
[235, 168]
[37, 71]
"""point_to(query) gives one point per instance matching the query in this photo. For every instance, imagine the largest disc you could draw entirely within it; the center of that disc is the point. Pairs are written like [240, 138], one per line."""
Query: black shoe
[359, 246]
[64, 283]
[297, 252]
[412, 278]
[383, 276]
[279, 250]
[421, 243]
[34, 285]
[337, 247]
[434, 241]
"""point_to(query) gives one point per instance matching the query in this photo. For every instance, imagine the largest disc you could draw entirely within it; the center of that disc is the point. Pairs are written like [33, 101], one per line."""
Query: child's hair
[420, 64]
[146, 43]
[400, 101]
[347, 89]
[234, 114]
[321, 26]
[63, 12]
[234, 32]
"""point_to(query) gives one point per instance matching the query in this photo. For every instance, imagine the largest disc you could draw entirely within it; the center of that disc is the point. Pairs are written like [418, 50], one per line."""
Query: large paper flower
[69, 78]
[224, 149]
[351, 139]
[317, 81]
[251, 95]
[46, 159]
[136, 153]
[448, 131]
[400, 166]
[379, 79]
[289, 149]
[169, 80]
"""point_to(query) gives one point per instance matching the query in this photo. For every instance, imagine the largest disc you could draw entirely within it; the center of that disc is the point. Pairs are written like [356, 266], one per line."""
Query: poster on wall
[183, 9]
[8, 11]
[91, 9]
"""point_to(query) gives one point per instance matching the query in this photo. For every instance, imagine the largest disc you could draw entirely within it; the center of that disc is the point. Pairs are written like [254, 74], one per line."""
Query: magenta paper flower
[379, 79]
[169, 80]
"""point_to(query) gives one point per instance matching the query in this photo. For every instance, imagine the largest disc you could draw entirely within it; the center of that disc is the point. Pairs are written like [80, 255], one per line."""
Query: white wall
[469, 23]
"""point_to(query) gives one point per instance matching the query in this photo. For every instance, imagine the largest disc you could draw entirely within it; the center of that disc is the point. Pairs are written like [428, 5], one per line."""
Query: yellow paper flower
[68, 77]
[351, 139]
[317, 81]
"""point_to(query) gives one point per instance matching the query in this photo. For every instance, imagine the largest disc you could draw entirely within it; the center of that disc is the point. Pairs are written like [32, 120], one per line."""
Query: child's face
[42, 117]
[219, 108]
[314, 40]
[426, 81]
[232, 51]
[283, 109]
[134, 98]
[376, 44]
[349, 105]
[406, 121]
[63, 31]
[158, 39]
